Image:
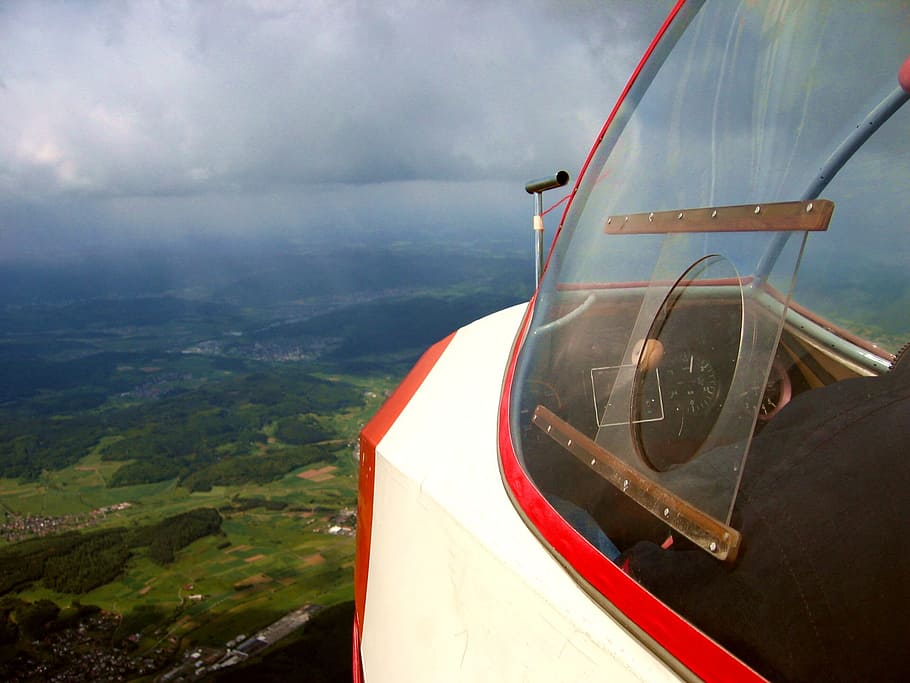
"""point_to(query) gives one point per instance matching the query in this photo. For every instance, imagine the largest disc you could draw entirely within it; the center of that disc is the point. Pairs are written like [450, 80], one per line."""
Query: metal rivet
[549, 427]
[757, 209]
[713, 547]
[679, 217]
[625, 484]
[809, 207]
[651, 217]
[609, 220]
[666, 512]
[714, 213]
[570, 442]
[593, 461]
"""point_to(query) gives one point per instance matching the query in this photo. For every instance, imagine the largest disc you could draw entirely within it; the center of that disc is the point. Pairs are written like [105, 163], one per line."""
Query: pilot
[822, 583]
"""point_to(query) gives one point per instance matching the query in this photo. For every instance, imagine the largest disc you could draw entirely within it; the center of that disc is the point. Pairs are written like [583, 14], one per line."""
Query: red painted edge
[356, 662]
[903, 75]
[691, 647]
[701, 655]
[370, 436]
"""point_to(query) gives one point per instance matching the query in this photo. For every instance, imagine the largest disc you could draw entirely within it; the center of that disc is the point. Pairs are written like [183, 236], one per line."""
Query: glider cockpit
[724, 302]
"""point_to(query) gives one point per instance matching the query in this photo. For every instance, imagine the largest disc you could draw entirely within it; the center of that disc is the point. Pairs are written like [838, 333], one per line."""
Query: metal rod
[835, 162]
[538, 238]
[537, 188]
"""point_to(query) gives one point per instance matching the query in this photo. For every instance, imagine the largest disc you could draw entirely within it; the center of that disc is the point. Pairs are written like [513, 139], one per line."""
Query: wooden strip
[713, 536]
[812, 216]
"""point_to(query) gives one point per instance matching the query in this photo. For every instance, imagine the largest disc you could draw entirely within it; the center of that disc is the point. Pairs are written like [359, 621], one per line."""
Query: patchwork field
[270, 558]
[233, 389]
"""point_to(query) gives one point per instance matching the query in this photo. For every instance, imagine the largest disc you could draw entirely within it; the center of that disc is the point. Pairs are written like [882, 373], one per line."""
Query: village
[86, 651]
[19, 527]
[200, 661]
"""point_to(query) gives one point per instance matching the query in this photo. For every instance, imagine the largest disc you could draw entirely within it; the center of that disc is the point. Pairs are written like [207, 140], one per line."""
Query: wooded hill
[77, 562]
[189, 435]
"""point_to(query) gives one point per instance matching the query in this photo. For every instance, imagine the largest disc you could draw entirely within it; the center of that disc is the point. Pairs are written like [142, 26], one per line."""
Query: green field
[265, 563]
[128, 401]
[275, 560]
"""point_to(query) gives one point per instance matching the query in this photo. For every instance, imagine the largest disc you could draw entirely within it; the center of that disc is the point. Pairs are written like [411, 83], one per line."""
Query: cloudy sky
[128, 121]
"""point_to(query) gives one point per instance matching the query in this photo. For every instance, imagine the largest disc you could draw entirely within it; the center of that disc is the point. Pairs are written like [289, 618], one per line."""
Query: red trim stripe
[690, 646]
[370, 437]
[682, 640]
[356, 662]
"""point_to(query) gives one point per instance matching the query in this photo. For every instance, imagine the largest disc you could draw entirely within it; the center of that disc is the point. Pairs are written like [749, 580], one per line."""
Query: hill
[139, 391]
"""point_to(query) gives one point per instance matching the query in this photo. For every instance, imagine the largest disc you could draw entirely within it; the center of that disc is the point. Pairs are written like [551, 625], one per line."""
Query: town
[89, 650]
[200, 661]
[19, 527]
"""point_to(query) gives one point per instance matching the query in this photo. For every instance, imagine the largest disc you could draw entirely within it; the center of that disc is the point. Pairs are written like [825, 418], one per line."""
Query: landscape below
[178, 446]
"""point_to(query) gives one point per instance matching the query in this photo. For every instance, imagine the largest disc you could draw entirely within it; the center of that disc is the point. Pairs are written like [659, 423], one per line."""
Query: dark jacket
[822, 584]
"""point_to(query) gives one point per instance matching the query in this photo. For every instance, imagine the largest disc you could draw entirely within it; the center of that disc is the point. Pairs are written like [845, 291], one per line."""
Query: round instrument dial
[777, 392]
[689, 382]
[699, 328]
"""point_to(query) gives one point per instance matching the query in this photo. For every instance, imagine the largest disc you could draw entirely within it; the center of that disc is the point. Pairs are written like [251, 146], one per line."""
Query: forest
[77, 562]
[220, 395]
[187, 433]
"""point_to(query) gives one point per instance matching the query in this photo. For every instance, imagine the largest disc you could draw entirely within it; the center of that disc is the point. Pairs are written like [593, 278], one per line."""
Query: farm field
[282, 544]
[226, 403]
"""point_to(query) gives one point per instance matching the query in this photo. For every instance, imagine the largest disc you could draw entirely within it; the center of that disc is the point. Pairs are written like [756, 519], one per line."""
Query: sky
[126, 123]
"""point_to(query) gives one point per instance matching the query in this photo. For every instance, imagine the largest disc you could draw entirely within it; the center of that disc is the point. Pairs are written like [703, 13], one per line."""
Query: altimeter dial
[690, 384]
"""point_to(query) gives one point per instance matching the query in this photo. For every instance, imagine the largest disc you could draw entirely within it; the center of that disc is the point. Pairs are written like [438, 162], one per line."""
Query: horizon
[135, 124]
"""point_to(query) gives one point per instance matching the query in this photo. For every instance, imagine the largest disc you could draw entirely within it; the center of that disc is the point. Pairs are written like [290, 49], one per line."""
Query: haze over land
[131, 123]
[148, 386]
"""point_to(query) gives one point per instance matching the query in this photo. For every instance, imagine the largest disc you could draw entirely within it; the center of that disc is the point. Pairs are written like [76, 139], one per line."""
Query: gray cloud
[172, 116]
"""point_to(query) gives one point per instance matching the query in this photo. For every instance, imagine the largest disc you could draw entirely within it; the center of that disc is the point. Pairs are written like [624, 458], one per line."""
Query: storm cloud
[151, 120]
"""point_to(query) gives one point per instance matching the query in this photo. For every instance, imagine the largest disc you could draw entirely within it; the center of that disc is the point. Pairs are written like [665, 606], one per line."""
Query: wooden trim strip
[713, 536]
[811, 216]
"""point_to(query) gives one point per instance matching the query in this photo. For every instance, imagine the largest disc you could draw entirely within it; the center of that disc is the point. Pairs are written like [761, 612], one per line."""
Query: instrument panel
[677, 393]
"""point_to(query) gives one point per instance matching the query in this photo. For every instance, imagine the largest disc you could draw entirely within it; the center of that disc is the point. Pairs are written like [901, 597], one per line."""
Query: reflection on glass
[661, 360]
[696, 375]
